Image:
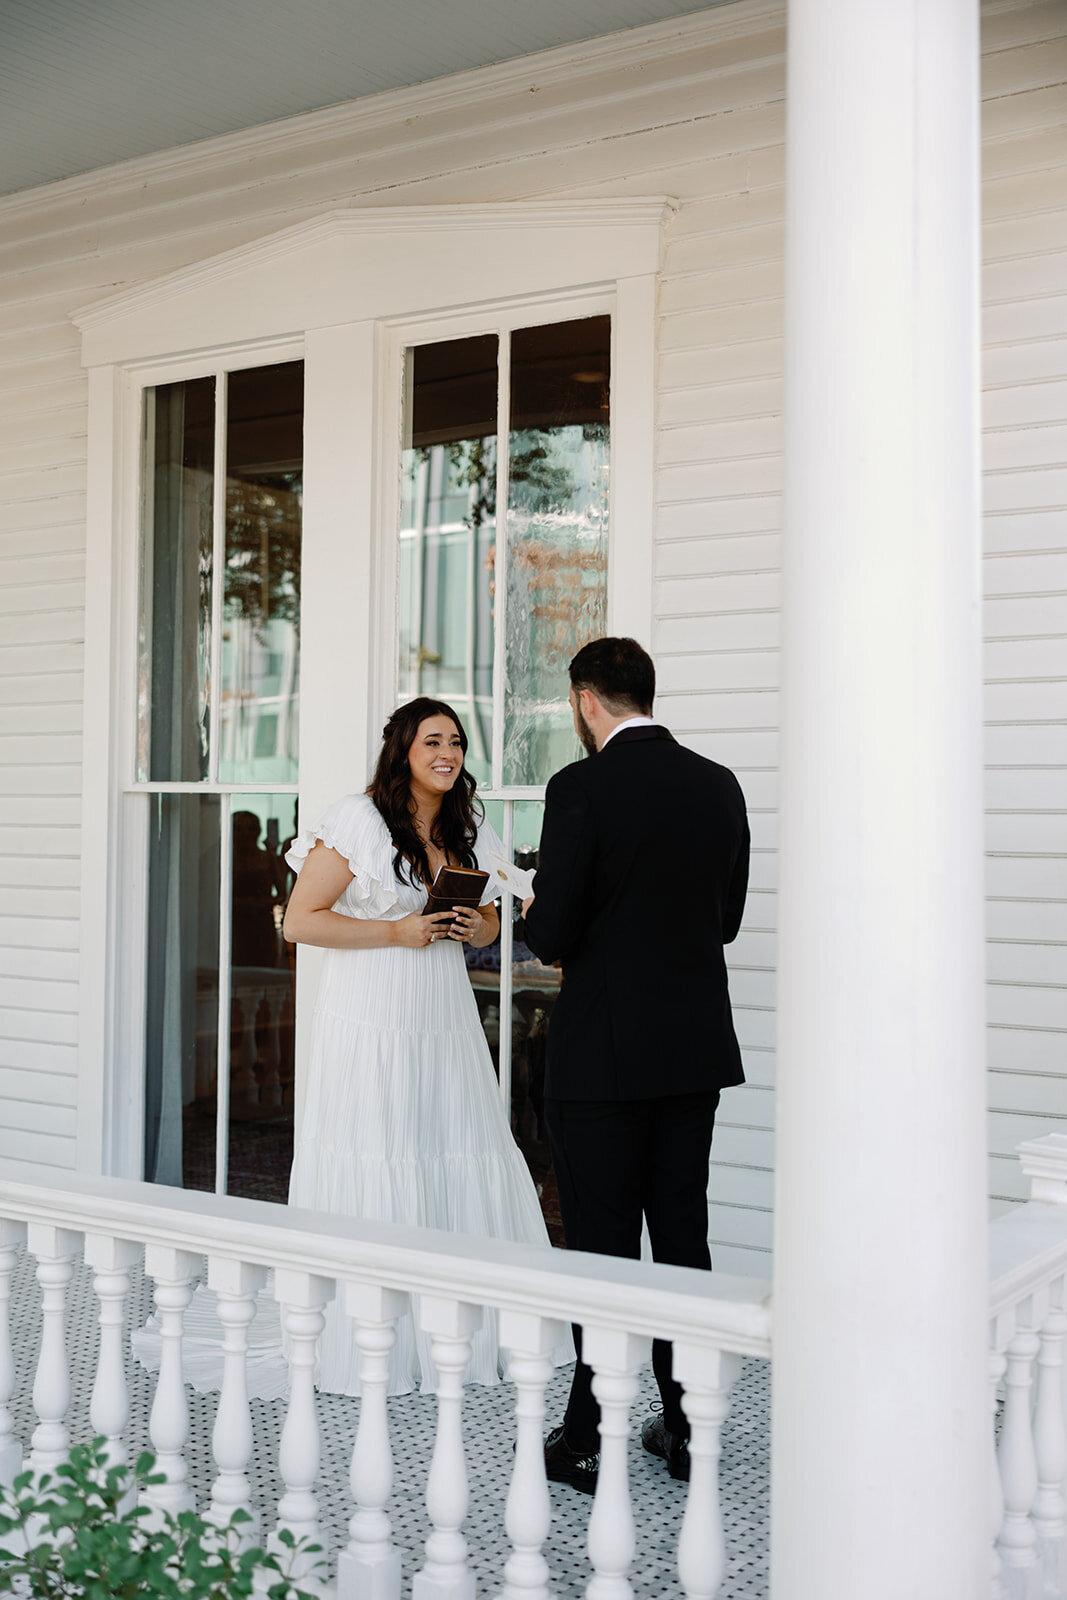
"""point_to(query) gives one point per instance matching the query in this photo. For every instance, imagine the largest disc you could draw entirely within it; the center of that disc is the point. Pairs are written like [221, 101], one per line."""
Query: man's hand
[527, 903]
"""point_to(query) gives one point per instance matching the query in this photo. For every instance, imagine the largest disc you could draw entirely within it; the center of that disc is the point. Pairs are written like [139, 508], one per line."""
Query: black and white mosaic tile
[659, 1503]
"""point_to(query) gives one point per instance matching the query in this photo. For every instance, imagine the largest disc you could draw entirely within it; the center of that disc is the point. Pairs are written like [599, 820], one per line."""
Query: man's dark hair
[619, 673]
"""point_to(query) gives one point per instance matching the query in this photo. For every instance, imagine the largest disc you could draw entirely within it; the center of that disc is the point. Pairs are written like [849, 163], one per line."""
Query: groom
[642, 879]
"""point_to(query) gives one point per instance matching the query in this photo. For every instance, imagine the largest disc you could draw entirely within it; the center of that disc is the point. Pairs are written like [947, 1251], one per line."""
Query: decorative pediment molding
[370, 263]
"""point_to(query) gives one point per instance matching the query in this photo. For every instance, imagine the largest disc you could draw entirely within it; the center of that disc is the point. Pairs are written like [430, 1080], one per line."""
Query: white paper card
[509, 876]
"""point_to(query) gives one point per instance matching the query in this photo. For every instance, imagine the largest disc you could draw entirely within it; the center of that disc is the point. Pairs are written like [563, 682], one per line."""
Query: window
[210, 702]
[492, 607]
[218, 724]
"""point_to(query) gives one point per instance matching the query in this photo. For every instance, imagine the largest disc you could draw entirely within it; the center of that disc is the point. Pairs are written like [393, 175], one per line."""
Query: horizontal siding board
[718, 555]
[46, 1089]
[49, 1027]
[740, 1186]
[1027, 878]
[1023, 789]
[48, 872]
[740, 1225]
[1028, 1049]
[1023, 530]
[53, 966]
[1015, 1093]
[1027, 963]
[1028, 1006]
[38, 1149]
[737, 671]
[39, 1056]
[1022, 919]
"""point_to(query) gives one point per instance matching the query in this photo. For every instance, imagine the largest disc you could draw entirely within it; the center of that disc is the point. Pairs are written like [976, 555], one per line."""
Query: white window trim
[286, 297]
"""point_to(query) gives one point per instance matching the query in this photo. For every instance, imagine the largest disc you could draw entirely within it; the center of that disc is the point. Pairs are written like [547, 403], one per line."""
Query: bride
[402, 1120]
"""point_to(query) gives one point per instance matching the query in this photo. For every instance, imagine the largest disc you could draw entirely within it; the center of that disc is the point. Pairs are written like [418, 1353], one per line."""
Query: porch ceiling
[85, 83]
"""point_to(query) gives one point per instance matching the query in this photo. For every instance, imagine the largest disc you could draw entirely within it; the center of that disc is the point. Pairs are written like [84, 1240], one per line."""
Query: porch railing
[373, 1270]
[1028, 1325]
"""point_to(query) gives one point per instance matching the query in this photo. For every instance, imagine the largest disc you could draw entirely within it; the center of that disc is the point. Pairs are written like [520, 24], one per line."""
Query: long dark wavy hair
[456, 826]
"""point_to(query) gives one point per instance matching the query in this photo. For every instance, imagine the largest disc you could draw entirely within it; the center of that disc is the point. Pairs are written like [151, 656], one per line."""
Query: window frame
[303, 288]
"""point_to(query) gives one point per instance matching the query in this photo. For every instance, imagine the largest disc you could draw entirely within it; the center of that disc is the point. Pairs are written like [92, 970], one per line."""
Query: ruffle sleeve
[353, 827]
[488, 843]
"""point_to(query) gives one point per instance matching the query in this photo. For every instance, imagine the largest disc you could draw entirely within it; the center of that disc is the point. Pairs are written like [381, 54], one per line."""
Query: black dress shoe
[659, 1441]
[579, 1468]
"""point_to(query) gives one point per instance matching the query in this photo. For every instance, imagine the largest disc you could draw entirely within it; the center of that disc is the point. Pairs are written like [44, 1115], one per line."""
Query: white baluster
[445, 1574]
[175, 1273]
[55, 1249]
[529, 1341]
[369, 1566]
[302, 1296]
[1018, 1464]
[615, 1358]
[708, 1377]
[11, 1236]
[235, 1284]
[109, 1407]
[1050, 1448]
[997, 1366]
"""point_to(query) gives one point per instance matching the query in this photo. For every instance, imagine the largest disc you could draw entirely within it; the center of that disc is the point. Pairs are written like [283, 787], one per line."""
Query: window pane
[558, 455]
[175, 642]
[448, 534]
[261, 1005]
[181, 1052]
[261, 604]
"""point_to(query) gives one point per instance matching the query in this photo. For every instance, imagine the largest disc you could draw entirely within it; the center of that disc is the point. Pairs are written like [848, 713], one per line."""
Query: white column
[880, 1269]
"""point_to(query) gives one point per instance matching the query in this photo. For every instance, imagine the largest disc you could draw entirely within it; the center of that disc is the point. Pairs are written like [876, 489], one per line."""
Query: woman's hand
[415, 930]
[477, 927]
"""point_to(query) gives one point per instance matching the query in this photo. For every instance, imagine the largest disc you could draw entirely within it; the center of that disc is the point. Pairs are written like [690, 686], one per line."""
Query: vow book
[456, 886]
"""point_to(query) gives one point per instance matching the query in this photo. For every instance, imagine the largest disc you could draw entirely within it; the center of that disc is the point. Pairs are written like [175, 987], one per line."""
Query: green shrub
[65, 1536]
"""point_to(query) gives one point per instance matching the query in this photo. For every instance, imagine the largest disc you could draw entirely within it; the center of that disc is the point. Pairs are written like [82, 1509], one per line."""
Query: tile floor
[658, 1502]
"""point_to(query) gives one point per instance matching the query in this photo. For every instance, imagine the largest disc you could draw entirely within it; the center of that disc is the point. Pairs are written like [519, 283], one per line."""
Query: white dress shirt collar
[631, 722]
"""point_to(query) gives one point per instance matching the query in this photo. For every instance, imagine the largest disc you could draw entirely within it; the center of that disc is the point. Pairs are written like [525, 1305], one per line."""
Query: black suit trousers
[616, 1161]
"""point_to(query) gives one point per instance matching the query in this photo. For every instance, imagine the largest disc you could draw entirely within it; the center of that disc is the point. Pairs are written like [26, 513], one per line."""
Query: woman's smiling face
[435, 756]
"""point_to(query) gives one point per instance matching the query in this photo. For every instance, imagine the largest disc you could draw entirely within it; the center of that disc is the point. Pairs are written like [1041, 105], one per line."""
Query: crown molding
[631, 47]
[367, 221]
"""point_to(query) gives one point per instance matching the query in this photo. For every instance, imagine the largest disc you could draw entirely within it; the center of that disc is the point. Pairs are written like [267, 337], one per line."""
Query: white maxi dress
[402, 1121]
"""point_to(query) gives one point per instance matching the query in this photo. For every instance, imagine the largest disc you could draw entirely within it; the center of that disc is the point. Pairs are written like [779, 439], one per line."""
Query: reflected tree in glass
[448, 534]
[558, 462]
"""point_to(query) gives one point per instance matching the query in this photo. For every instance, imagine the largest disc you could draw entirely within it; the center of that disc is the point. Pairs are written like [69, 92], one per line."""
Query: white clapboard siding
[696, 111]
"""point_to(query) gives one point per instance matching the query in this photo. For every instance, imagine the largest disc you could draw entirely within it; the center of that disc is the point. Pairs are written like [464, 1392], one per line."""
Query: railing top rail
[662, 1302]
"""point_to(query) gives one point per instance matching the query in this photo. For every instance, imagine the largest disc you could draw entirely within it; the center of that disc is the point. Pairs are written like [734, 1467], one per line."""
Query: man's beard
[585, 733]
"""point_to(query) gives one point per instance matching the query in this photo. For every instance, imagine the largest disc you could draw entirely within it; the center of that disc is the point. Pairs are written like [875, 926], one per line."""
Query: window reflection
[448, 534]
[558, 460]
[182, 1055]
[261, 603]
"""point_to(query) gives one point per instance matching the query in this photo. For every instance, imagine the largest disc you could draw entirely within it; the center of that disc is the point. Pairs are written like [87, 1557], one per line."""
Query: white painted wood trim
[316, 274]
[108, 850]
[633, 463]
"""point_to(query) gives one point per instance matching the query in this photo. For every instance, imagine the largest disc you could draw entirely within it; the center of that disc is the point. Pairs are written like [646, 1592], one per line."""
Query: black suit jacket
[642, 880]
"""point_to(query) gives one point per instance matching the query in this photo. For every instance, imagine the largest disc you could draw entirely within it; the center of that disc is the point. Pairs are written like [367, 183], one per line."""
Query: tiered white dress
[402, 1122]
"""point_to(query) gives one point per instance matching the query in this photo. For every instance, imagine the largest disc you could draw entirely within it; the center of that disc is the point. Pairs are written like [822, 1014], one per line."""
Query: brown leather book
[455, 886]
